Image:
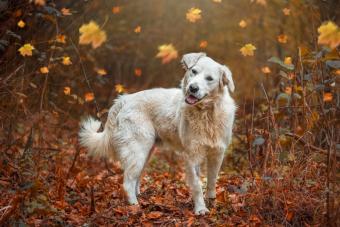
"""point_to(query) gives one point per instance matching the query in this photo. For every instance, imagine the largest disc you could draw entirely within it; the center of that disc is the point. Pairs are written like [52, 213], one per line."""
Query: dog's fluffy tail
[97, 143]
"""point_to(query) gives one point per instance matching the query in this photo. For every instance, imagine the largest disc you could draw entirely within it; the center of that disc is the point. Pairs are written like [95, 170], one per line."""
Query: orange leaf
[21, 24]
[286, 11]
[282, 38]
[66, 11]
[92, 34]
[66, 60]
[61, 38]
[44, 70]
[40, 2]
[203, 44]
[167, 52]
[101, 72]
[242, 24]
[193, 15]
[138, 72]
[138, 29]
[116, 9]
[26, 49]
[327, 97]
[266, 70]
[288, 60]
[154, 214]
[67, 90]
[119, 88]
[248, 50]
[89, 96]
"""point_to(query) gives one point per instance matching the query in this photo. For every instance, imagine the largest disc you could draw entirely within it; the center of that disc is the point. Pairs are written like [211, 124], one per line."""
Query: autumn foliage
[63, 60]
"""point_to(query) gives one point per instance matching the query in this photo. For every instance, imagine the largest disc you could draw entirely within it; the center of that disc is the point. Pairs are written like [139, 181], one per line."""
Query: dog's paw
[201, 211]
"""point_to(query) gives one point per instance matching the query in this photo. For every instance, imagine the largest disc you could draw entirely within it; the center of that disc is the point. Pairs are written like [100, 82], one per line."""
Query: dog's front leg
[213, 167]
[196, 189]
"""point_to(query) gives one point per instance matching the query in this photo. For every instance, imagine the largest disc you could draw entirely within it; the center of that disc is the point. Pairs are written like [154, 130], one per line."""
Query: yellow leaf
[92, 34]
[89, 96]
[67, 90]
[40, 2]
[288, 60]
[248, 50]
[329, 34]
[203, 44]
[266, 70]
[242, 24]
[44, 70]
[138, 29]
[286, 11]
[138, 72]
[66, 60]
[61, 38]
[119, 88]
[101, 72]
[194, 14]
[167, 52]
[116, 9]
[66, 11]
[282, 38]
[26, 49]
[327, 97]
[21, 24]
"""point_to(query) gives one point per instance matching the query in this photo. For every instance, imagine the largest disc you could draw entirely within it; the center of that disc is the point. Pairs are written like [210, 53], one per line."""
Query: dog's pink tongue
[191, 99]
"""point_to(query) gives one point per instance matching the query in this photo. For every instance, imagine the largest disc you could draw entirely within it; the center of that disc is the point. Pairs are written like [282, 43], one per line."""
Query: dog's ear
[227, 78]
[189, 60]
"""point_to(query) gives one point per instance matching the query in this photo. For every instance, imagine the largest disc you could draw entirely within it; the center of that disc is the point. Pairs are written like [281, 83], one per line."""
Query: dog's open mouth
[191, 100]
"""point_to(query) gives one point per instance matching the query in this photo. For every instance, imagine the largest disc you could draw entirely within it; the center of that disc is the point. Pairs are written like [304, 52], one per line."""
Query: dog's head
[204, 78]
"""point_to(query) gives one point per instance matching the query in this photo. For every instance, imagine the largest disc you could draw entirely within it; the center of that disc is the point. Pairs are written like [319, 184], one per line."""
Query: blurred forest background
[61, 60]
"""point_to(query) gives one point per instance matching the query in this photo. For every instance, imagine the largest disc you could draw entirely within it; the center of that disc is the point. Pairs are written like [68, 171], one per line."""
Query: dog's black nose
[193, 88]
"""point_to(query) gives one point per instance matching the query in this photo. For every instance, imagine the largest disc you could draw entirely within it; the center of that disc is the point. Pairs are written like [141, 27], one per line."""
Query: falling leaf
[288, 61]
[44, 70]
[26, 49]
[282, 38]
[67, 90]
[138, 72]
[248, 50]
[337, 72]
[91, 33]
[266, 70]
[61, 38]
[242, 24]
[101, 72]
[40, 2]
[194, 14]
[66, 60]
[167, 52]
[21, 24]
[261, 2]
[116, 9]
[138, 29]
[203, 44]
[66, 11]
[119, 88]
[89, 96]
[327, 97]
[286, 11]
[329, 34]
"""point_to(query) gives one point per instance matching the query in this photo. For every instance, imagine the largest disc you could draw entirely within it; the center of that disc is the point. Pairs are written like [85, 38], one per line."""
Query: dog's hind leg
[138, 180]
[134, 157]
[194, 183]
[213, 167]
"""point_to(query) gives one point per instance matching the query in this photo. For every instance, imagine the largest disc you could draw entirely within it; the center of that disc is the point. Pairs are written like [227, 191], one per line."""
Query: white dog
[195, 120]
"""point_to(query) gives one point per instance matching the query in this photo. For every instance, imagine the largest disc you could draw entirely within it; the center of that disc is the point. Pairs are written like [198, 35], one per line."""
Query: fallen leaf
[138, 29]
[242, 24]
[154, 214]
[193, 14]
[138, 72]
[119, 88]
[286, 11]
[282, 38]
[26, 50]
[66, 60]
[67, 90]
[248, 50]
[203, 44]
[329, 34]
[116, 9]
[21, 24]
[89, 96]
[44, 70]
[92, 34]
[167, 52]
[266, 70]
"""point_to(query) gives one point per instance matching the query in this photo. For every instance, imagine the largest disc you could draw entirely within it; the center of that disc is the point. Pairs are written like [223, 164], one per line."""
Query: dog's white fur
[197, 130]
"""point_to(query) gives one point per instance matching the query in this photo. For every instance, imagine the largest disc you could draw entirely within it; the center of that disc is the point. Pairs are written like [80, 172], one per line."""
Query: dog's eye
[209, 78]
[194, 71]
